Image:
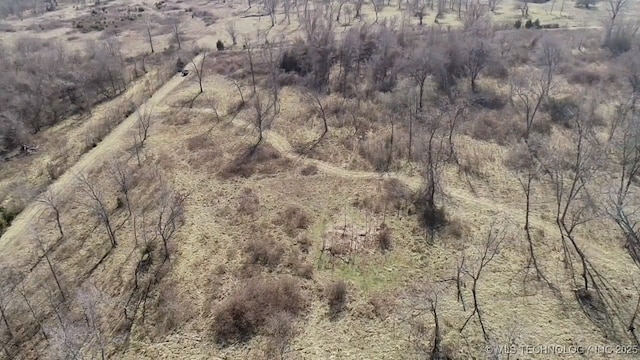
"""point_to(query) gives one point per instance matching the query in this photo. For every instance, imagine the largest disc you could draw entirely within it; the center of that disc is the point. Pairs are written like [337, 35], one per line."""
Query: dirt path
[63, 187]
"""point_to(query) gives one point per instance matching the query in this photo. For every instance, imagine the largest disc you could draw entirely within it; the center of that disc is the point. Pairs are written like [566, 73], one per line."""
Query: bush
[383, 238]
[562, 110]
[294, 219]
[398, 194]
[620, 42]
[248, 203]
[262, 160]
[220, 45]
[518, 24]
[309, 170]
[528, 24]
[264, 252]
[6, 218]
[337, 298]
[249, 310]
[488, 100]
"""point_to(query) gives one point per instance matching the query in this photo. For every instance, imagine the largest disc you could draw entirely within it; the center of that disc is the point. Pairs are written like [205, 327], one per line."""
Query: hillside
[308, 180]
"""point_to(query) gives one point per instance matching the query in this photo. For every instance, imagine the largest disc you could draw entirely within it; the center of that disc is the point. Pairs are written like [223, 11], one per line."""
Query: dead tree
[93, 199]
[490, 248]
[50, 199]
[89, 298]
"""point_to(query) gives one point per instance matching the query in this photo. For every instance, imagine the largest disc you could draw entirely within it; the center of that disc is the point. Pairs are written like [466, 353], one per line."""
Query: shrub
[398, 194]
[518, 24]
[249, 310]
[6, 218]
[536, 24]
[528, 24]
[220, 45]
[264, 252]
[248, 203]
[620, 42]
[562, 110]
[488, 100]
[383, 238]
[263, 160]
[309, 170]
[337, 298]
[294, 219]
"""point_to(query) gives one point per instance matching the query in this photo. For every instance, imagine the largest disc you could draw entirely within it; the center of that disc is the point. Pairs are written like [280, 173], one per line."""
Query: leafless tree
[358, 8]
[474, 14]
[574, 204]
[262, 106]
[490, 248]
[270, 58]
[478, 57]
[143, 124]
[615, 8]
[45, 253]
[271, 7]
[418, 67]
[231, 29]
[626, 140]
[93, 199]
[121, 175]
[148, 24]
[170, 214]
[551, 54]
[50, 199]
[630, 66]
[23, 293]
[89, 298]
[176, 28]
[525, 158]
[8, 282]
[529, 91]
[200, 69]
[319, 106]
[419, 10]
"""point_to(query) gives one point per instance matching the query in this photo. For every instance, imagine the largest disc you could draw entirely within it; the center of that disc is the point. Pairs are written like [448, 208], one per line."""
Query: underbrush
[263, 160]
[252, 309]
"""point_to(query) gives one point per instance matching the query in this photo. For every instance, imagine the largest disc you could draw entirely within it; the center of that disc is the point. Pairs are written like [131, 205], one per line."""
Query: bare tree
[418, 67]
[89, 298]
[93, 199]
[8, 281]
[121, 175]
[574, 205]
[145, 115]
[271, 6]
[262, 109]
[319, 107]
[526, 158]
[615, 8]
[45, 254]
[170, 214]
[50, 199]
[529, 90]
[231, 29]
[176, 28]
[478, 56]
[490, 248]
[23, 293]
[419, 10]
[148, 24]
[200, 69]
